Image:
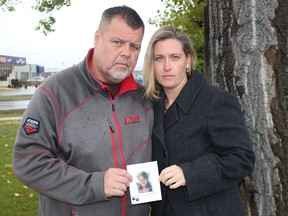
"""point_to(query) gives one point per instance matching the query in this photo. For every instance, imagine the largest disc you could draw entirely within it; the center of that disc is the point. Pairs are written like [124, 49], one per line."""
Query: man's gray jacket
[71, 132]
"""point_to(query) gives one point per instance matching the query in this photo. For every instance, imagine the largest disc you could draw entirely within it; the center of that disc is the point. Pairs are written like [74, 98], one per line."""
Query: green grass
[14, 97]
[11, 113]
[15, 198]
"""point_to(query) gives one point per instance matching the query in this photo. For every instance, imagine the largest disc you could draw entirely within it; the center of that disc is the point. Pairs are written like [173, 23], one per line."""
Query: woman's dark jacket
[203, 132]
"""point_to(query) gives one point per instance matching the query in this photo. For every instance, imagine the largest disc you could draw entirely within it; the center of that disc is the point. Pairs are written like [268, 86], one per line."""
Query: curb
[4, 89]
[11, 118]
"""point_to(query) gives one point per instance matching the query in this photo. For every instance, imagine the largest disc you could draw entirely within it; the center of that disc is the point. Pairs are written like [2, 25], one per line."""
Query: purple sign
[12, 60]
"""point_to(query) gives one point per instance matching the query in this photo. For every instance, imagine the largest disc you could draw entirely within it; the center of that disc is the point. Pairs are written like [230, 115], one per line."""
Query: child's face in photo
[142, 181]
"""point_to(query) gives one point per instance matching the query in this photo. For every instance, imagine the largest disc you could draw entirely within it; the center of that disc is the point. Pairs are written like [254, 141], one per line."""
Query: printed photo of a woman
[143, 182]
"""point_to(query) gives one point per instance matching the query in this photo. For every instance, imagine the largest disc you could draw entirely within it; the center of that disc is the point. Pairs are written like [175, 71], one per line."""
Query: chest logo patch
[131, 119]
[31, 126]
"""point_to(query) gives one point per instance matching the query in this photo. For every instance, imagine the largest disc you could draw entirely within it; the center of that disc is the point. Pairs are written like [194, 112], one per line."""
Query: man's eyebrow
[117, 38]
[135, 44]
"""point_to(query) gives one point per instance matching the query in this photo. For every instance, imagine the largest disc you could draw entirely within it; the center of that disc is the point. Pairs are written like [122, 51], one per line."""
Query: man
[85, 124]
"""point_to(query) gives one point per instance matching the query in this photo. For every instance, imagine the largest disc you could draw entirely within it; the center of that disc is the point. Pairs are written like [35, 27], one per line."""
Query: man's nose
[126, 50]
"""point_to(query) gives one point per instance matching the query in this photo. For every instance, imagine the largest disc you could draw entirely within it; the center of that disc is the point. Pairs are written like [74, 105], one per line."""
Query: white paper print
[145, 186]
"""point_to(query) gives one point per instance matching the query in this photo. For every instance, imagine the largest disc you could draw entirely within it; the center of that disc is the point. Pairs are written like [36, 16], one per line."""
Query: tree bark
[246, 52]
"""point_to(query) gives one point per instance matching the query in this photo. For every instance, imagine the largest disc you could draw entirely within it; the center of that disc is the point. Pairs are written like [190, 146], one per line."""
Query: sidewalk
[3, 89]
[11, 119]
[17, 91]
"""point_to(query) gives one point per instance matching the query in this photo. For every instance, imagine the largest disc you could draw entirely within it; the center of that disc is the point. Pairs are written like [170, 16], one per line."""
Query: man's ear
[96, 38]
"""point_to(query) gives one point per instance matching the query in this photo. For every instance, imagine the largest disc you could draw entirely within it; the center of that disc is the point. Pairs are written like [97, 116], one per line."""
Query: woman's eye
[158, 58]
[175, 58]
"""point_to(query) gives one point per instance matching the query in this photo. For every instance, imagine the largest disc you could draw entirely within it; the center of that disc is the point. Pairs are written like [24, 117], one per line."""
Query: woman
[143, 183]
[199, 139]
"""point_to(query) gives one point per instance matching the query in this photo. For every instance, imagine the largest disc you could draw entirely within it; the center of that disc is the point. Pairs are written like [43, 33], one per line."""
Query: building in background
[51, 71]
[14, 71]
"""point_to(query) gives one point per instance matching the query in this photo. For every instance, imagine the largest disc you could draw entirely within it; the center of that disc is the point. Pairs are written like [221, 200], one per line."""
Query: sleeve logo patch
[31, 126]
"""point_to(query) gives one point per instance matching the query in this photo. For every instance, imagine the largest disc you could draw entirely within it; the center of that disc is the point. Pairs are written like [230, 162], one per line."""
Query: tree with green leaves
[45, 7]
[8, 5]
[188, 16]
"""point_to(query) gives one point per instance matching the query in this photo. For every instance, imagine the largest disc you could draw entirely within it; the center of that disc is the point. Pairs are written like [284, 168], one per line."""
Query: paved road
[19, 104]
[20, 91]
[13, 105]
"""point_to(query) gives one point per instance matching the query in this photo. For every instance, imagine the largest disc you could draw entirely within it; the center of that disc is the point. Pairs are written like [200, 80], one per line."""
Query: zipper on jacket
[113, 107]
[110, 126]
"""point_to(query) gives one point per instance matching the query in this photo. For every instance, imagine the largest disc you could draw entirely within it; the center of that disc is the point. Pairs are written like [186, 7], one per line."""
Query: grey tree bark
[246, 52]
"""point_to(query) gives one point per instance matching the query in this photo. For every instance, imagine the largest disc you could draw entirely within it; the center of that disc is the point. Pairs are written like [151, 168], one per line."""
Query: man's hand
[173, 177]
[116, 181]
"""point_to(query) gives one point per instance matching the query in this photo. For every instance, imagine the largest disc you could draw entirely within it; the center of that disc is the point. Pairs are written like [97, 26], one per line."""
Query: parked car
[139, 78]
[34, 81]
[15, 83]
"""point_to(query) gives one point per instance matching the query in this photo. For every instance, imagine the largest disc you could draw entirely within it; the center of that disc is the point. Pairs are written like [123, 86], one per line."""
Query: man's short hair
[129, 15]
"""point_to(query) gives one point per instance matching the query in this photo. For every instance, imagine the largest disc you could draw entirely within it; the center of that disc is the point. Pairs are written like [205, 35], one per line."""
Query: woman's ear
[188, 62]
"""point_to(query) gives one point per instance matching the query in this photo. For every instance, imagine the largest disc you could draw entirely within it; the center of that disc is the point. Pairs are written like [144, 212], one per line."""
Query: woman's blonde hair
[153, 88]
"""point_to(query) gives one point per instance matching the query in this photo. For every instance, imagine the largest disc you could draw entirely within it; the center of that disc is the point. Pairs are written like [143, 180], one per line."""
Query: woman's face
[142, 181]
[170, 63]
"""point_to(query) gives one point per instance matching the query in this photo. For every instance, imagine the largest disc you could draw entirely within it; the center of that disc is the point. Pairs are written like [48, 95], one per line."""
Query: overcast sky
[75, 27]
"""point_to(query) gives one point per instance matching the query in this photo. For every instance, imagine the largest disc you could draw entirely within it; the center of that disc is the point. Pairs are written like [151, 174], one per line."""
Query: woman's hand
[173, 177]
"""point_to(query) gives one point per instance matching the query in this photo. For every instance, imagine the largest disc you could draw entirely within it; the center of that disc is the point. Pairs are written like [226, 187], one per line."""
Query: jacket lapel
[171, 116]
[190, 91]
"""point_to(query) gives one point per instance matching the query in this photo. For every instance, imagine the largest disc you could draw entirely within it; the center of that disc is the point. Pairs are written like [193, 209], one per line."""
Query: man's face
[116, 51]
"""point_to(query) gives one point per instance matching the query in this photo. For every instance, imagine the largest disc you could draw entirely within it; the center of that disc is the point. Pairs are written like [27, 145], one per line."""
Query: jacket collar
[184, 101]
[190, 91]
[129, 84]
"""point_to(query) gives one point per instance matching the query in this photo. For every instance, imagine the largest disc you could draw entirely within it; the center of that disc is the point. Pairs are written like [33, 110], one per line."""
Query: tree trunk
[247, 54]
